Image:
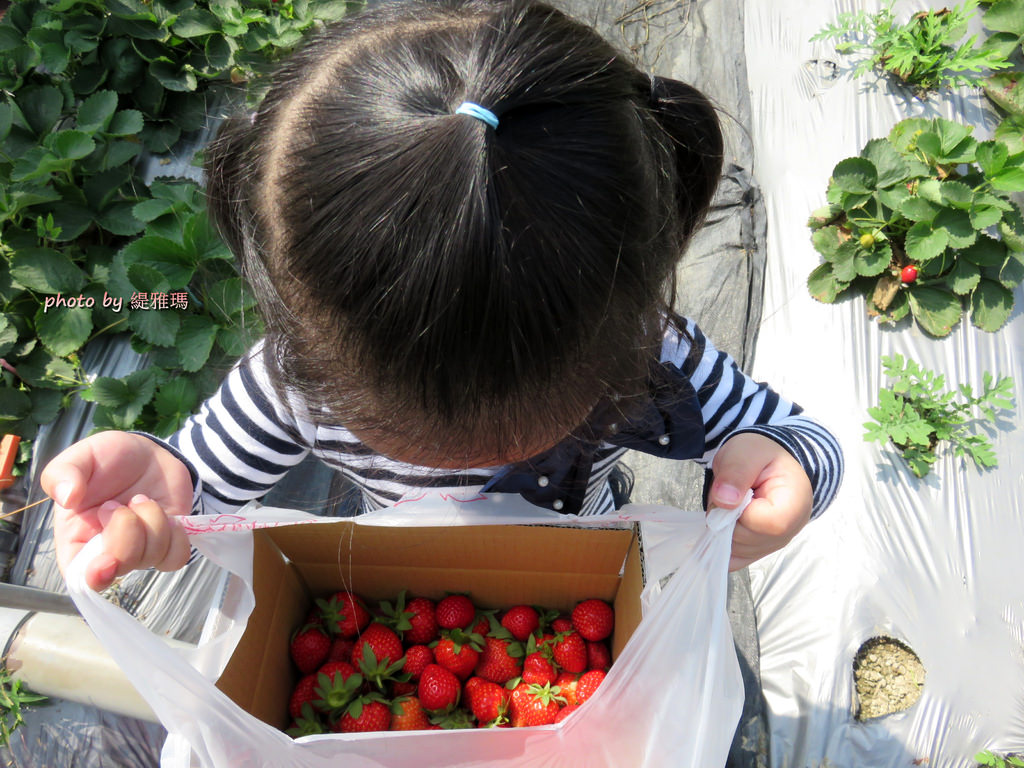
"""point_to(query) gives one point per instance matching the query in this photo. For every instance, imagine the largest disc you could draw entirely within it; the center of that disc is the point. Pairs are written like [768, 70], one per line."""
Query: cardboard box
[498, 565]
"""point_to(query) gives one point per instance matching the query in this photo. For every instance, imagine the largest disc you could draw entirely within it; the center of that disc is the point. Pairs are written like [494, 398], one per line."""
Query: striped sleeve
[242, 441]
[732, 403]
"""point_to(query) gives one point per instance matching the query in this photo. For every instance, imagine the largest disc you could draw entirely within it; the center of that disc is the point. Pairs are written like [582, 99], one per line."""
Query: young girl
[462, 220]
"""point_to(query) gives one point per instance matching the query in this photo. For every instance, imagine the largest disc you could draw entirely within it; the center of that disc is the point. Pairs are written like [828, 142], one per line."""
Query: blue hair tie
[481, 114]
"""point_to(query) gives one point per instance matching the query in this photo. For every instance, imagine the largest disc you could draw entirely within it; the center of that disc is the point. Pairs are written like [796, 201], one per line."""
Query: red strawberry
[402, 688]
[336, 684]
[488, 701]
[303, 693]
[382, 641]
[309, 648]
[416, 659]
[534, 705]
[908, 274]
[367, 713]
[593, 619]
[496, 664]
[482, 626]
[570, 652]
[561, 624]
[587, 684]
[598, 656]
[379, 656]
[455, 611]
[422, 621]
[537, 669]
[407, 714]
[565, 711]
[458, 652]
[521, 621]
[344, 614]
[439, 689]
[341, 649]
[567, 682]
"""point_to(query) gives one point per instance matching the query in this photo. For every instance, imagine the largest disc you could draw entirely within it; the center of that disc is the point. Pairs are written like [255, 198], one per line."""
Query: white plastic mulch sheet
[935, 563]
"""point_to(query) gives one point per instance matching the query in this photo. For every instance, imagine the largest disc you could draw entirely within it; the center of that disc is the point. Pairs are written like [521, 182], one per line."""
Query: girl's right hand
[125, 486]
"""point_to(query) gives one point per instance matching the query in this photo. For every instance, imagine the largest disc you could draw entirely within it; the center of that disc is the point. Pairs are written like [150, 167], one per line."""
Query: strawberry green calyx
[379, 673]
[335, 693]
[396, 616]
[307, 724]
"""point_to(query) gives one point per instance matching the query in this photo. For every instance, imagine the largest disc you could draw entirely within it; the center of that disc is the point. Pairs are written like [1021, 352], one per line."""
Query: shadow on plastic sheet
[850, 743]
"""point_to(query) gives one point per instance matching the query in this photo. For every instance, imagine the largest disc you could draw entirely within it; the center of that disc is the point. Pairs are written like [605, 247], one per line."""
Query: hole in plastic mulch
[888, 677]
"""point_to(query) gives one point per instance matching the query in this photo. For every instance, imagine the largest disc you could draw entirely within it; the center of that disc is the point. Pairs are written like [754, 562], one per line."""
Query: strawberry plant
[932, 197]
[927, 52]
[87, 246]
[13, 696]
[987, 758]
[916, 415]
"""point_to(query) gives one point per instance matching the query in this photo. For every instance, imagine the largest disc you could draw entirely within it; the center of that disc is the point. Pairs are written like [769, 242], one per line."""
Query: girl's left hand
[782, 501]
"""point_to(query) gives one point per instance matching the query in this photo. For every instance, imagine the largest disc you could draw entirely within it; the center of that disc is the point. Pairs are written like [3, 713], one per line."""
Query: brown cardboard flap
[479, 547]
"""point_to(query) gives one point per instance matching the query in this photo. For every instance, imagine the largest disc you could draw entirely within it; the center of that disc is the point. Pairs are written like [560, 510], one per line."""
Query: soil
[889, 677]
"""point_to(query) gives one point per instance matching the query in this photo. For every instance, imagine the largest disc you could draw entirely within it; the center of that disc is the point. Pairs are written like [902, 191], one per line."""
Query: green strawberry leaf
[873, 262]
[991, 156]
[195, 341]
[985, 252]
[891, 168]
[64, 330]
[991, 305]
[855, 175]
[957, 226]
[964, 277]
[936, 310]
[46, 270]
[924, 243]
[95, 112]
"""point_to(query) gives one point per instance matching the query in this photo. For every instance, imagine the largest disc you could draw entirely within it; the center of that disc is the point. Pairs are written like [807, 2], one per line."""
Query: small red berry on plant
[908, 274]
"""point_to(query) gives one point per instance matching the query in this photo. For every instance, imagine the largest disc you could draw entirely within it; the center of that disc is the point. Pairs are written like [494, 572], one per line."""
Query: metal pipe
[31, 599]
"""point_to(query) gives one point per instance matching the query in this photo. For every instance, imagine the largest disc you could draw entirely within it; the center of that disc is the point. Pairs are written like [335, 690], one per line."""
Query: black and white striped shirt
[244, 439]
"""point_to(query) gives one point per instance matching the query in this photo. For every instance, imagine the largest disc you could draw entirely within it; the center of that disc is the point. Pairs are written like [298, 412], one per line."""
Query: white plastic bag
[671, 699]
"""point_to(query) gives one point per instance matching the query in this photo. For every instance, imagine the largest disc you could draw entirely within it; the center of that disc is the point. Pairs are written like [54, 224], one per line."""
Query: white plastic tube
[59, 656]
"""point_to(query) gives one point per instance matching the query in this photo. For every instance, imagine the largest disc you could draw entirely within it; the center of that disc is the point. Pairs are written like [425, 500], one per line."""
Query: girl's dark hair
[423, 274]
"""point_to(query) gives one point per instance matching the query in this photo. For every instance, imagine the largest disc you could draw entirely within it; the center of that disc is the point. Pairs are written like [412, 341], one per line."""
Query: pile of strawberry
[421, 665]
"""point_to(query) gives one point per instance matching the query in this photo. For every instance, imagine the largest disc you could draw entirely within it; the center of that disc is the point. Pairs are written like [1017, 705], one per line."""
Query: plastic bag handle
[143, 656]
